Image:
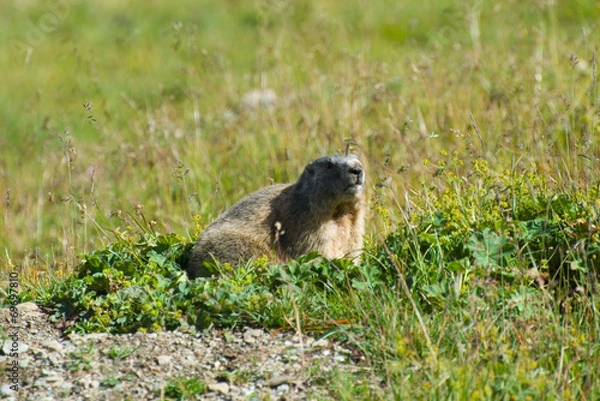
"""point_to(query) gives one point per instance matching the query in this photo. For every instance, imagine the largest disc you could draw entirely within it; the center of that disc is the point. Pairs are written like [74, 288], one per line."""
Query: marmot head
[337, 179]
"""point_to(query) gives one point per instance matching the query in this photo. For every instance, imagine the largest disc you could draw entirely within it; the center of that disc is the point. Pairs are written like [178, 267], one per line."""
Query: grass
[478, 124]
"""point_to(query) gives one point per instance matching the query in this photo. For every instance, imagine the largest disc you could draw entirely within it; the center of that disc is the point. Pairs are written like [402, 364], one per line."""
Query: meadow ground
[478, 123]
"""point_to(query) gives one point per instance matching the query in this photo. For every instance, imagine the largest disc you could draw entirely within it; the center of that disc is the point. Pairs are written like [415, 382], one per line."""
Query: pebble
[9, 346]
[276, 381]
[251, 335]
[54, 379]
[25, 361]
[55, 359]
[53, 345]
[28, 308]
[322, 343]
[163, 360]
[6, 390]
[220, 387]
[284, 388]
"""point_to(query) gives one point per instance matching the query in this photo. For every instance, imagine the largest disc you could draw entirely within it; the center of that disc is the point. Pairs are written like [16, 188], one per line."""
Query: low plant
[184, 389]
[505, 229]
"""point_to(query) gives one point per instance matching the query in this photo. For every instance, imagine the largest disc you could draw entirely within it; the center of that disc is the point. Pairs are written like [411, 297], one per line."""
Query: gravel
[245, 364]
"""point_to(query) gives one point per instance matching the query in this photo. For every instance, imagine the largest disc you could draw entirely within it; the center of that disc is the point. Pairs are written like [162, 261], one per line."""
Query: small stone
[28, 307]
[10, 346]
[89, 383]
[95, 337]
[322, 343]
[249, 339]
[163, 360]
[255, 332]
[41, 382]
[66, 386]
[188, 361]
[284, 388]
[53, 345]
[75, 338]
[24, 362]
[220, 387]
[278, 380]
[39, 354]
[251, 335]
[6, 390]
[54, 379]
[54, 358]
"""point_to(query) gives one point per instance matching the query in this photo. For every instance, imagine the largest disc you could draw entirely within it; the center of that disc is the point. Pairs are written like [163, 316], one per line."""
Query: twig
[478, 132]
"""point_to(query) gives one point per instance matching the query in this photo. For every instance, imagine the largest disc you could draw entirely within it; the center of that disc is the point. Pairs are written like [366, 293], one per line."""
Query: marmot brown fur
[323, 211]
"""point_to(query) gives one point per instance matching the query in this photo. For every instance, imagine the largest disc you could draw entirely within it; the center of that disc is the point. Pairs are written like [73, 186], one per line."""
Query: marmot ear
[310, 170]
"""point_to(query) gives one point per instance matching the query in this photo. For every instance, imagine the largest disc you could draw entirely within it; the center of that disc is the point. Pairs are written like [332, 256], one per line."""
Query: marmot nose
[358, 172]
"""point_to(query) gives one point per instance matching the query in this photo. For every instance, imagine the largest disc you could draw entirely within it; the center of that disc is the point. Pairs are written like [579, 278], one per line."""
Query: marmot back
[323, 211]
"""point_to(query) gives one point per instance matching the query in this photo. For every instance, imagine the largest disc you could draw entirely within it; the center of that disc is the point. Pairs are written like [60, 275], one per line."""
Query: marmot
[323, 211]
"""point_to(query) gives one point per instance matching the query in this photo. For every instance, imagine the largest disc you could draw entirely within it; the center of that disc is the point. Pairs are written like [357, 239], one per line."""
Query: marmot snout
[322, 211]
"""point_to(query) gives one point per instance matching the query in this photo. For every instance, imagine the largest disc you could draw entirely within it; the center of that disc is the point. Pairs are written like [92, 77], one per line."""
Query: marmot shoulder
[323, 211]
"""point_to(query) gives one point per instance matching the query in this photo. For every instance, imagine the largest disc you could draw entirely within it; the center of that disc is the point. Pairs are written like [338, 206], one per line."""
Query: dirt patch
[213, 365]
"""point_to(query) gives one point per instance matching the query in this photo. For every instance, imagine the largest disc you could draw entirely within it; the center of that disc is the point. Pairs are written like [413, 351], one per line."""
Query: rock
[54, 379]
[278, 380]
[163, 360]
[24, 362]
[251, 335]
[188, 361]
[55, 358]
[28, 308]
[53, 345]
[10, 346]
[322, 343]
[220, 387]
[283, 388]
[41, 382]
[96, 337]
[5, 390]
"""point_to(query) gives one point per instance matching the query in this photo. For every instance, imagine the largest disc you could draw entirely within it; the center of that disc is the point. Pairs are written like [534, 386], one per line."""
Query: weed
[110, 382]
[118, 353]
[80, 360]
[184, 389]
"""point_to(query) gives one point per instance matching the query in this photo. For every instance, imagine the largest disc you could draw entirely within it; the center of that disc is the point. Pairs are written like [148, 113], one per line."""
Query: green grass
[478, 124]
